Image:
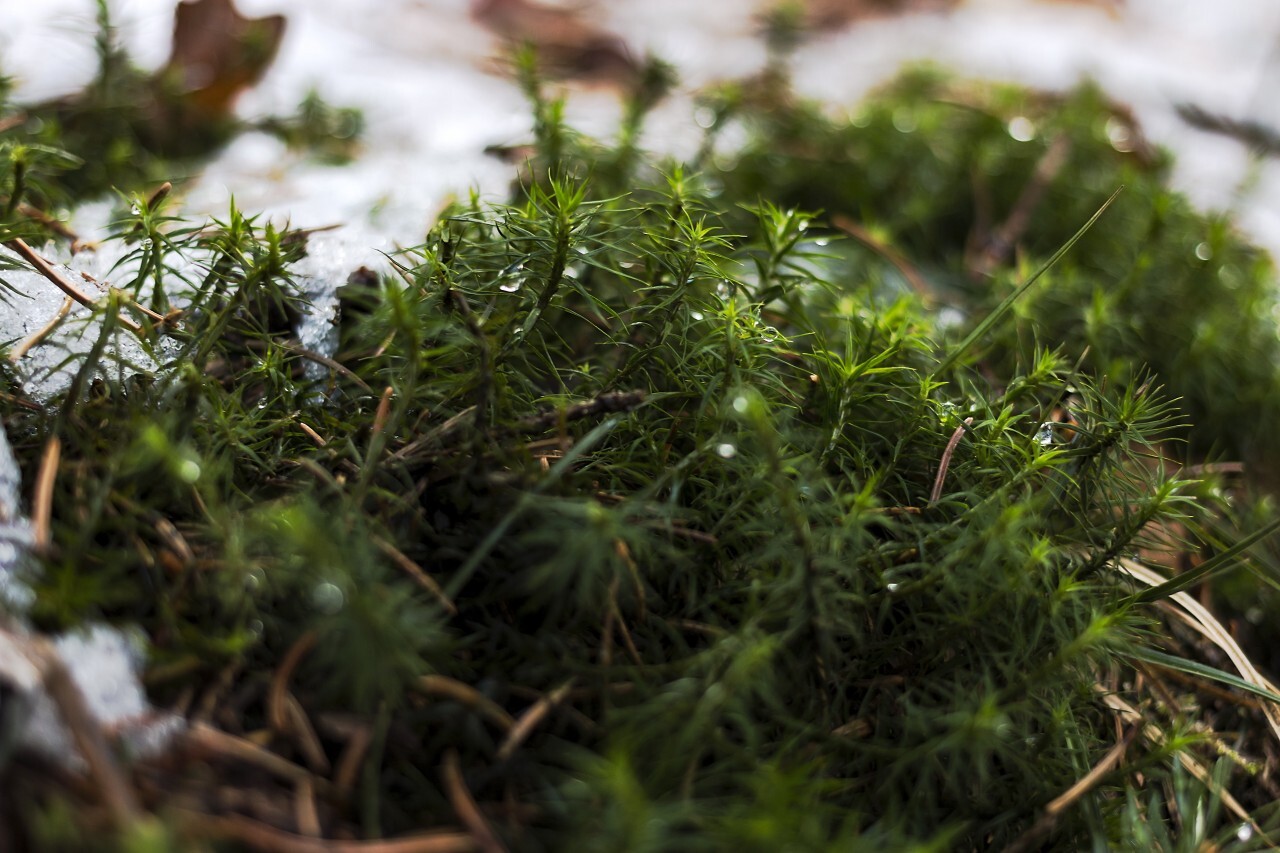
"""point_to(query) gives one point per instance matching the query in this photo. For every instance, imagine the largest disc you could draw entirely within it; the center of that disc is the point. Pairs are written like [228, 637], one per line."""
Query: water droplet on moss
[1022, 128]
[726, 450]
[510, 286]
[1204, 251]
[327, 598]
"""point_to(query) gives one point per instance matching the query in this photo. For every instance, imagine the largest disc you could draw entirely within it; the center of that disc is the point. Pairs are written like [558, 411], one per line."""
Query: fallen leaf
[566, 44]
[217, 53]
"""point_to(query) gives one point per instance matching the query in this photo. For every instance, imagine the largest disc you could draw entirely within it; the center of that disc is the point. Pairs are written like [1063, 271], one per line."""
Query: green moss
[790, 566]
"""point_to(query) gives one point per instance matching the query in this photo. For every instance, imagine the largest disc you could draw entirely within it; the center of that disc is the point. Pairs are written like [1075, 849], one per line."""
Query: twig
[203, 737]
[344, 776]
[464, 805]
[531, 718]
[1086, 783]
[448, 688]
[260, 836]
[47, 270]
[85, 729]
[995, 250]
[312, 434]
[946, 460]
[416, 572]
[318, 358]
[383, 412]
[277, 713]
[42, 501]
[38, 338]
[898, 261]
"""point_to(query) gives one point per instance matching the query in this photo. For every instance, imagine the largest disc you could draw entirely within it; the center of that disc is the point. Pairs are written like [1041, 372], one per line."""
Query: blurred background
[430, 79]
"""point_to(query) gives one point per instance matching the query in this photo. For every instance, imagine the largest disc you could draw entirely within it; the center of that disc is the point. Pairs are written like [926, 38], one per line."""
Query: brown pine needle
[277, 710]
[531, 719]
[946, 460]
[383, 413]
[444, 687]
[464, 805]
[39, 337]
[42, 502]
[416, 572]
[51, 273]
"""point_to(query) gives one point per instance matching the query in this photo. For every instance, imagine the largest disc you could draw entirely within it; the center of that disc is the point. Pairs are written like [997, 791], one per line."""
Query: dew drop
[741, 404]
[189, 471]
[1022, 129]
[510, 286]
[726, 450]
[697, 315]
[135, 210]
[254, 579]
[724, 289]
[1204, 251]
[904, 120]
[822, 241]
[1119, 135]
[892, 587]
[769, 335]
[1245, 832]
[1044, 437]
[327, 598]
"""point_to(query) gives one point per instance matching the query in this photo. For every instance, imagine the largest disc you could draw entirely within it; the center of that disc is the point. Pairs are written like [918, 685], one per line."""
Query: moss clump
[644, 519]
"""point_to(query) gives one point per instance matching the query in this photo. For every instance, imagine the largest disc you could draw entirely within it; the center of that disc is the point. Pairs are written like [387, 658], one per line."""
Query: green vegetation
[647, 512]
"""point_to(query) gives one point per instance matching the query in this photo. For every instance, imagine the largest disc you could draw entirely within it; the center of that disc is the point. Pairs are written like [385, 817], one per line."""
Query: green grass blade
[1000, 310]
[1210, 567]
[1198, 670]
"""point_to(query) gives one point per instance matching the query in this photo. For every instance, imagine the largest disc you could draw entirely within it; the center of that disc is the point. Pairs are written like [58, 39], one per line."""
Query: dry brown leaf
[217, 53]
[567, 45]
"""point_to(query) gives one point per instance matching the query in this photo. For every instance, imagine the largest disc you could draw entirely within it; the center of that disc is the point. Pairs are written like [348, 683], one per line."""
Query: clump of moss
[628, 516]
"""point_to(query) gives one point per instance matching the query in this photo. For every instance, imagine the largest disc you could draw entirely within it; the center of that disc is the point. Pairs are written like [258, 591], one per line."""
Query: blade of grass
[1210, 567]
[1003, 308]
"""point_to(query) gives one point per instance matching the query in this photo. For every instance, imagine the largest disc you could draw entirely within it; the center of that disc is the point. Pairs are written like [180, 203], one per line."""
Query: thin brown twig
[42, 501]
[312, 434]
[349, 763]
[306, 815]
[205, 738]
[946, 460]
[896, 259]
[261, 836]
[531, 719]
[1029, 839]
[999, 244]
[47, 270]
[383, 413]
[464, 805]
[39, 337]
[318, 358]
[112, 785]
[447, 688]
[416, 572]
[277, 712]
